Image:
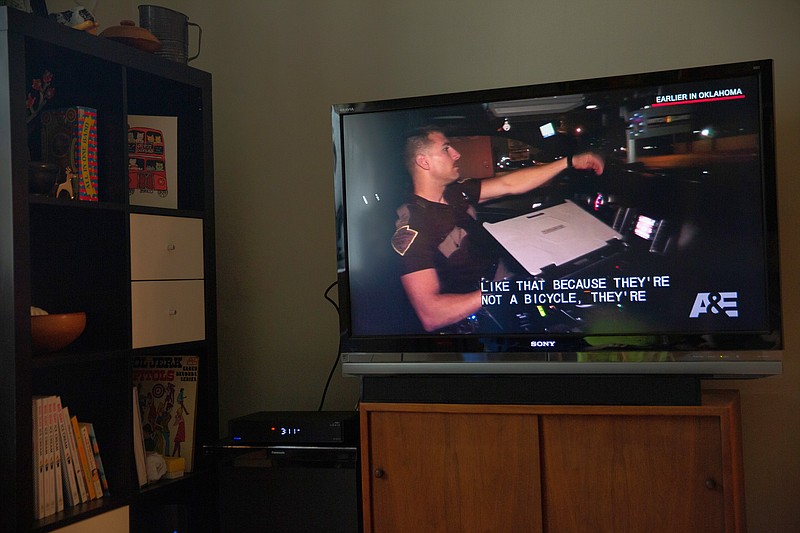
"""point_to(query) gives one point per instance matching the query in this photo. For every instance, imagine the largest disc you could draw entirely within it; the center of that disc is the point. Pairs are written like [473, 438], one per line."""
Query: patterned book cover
[167, 390]
[69, 139]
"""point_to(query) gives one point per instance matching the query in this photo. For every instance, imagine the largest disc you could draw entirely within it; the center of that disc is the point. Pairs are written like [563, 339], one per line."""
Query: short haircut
[416, 141]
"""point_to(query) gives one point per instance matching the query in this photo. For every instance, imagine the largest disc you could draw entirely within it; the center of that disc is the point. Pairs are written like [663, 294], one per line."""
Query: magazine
[167, 390]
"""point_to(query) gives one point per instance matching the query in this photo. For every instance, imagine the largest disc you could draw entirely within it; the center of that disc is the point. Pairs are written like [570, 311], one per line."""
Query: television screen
[628, 220]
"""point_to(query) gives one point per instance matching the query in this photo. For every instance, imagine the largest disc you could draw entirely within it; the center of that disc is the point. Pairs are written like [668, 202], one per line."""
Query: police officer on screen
[444, 252]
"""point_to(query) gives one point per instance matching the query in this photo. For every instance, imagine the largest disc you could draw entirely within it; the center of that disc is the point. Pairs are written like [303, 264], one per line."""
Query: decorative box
[69, 139]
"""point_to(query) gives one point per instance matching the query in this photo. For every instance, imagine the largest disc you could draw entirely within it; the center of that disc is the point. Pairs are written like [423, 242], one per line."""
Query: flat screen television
[661, 259]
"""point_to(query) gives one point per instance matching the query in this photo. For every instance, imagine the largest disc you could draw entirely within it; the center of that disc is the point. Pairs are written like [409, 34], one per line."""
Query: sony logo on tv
[543, 344]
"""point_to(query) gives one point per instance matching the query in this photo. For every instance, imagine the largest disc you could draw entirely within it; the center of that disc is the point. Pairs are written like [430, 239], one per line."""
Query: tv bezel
[740, 356]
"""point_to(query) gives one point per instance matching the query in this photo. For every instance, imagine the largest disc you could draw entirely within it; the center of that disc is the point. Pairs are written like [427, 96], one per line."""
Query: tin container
[172, 29]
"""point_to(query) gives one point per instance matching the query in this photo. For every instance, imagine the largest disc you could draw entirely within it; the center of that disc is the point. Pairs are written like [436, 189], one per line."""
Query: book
[72, 496]
[94, 474]
[80, 481]
[98, 461]
[38, 457]
[87, 472]
[153, 160]
[55, 443]
[138, 442]
[49, 493]
[167, 387]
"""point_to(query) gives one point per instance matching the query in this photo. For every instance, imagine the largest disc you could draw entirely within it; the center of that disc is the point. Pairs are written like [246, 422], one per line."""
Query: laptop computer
[553, 235]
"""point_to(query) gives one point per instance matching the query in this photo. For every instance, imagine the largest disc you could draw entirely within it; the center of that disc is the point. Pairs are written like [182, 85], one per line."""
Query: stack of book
[67, 469]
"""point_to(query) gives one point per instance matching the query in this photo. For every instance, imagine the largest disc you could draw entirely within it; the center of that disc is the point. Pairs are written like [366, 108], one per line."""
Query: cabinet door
[167, 312]
[451, 472]
[165, 247]
[633, 473]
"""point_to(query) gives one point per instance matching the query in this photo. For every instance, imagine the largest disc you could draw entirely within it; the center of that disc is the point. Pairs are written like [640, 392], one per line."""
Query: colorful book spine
[49, 462]
[38, 457]
[100, 469]
[80, 481]
[87, 472]
[58, 482]
[55, 442]
[71, 495]
[95, 475]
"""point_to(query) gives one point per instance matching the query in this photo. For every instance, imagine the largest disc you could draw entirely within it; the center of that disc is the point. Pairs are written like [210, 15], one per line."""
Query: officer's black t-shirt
[446, 237]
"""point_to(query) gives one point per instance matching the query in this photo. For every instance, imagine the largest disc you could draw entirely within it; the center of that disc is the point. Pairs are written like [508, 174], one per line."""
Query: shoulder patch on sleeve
[403, 238]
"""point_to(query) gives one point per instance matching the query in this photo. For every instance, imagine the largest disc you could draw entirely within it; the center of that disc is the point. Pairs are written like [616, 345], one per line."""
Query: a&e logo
[715, 303]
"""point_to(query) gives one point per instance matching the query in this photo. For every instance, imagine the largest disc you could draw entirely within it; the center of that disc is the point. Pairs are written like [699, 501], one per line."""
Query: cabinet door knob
[711, 483]
[379, 472]
[171, 247]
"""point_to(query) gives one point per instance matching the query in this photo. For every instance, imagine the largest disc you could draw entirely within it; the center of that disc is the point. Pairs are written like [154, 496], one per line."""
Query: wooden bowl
[132, 35]
[51, 333]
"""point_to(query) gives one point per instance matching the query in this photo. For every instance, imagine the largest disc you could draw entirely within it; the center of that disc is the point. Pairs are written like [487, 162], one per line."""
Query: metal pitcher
[172, 29]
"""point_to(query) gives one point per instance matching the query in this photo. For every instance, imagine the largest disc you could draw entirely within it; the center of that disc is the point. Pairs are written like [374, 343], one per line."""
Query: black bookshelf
[56, 253]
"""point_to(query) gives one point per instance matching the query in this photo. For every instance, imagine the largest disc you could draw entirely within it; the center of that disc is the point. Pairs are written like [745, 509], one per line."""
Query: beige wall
[279, 64]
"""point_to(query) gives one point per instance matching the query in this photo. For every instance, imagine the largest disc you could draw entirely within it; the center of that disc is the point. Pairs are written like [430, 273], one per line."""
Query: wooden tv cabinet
[553, 468]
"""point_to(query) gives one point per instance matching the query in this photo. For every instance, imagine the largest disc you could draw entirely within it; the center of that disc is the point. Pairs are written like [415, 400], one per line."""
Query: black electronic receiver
[295, 427]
